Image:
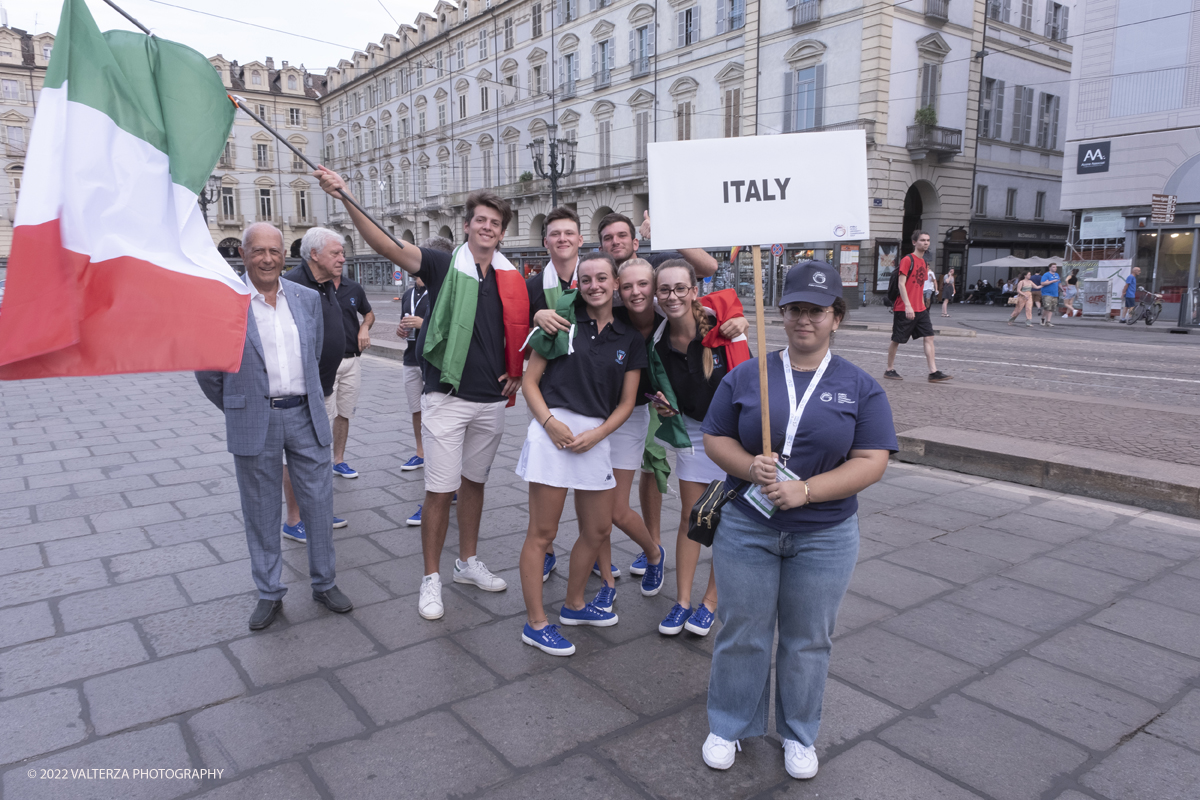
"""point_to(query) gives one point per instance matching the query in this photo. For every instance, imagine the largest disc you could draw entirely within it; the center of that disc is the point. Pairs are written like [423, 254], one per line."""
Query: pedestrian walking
[1049, 284]
[947, 291]
[1025, 286]
[787, 543]
[468, 379]
[929, 288]
[1130, 292]
[273, 407]
[415, 309]
[910, 317]
[1070, 293]
[580, 387]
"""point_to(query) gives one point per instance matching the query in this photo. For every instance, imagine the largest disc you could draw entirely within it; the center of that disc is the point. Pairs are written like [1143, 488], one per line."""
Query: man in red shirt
[910, 317]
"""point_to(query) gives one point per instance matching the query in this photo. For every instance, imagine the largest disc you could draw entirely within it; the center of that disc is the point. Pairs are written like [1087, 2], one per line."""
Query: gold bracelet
[807, 496]
[750, 470]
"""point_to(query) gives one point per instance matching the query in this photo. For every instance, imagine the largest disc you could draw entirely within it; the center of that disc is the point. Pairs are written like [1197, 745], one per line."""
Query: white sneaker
[474, 571]
[719, 753]
[800, 761]
[430, 605]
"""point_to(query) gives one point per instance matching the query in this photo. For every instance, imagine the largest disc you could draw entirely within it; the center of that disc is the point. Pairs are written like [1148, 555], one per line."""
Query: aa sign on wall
[804, 187]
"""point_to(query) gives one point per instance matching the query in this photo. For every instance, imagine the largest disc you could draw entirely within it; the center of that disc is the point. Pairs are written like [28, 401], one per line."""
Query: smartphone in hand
[658, 401]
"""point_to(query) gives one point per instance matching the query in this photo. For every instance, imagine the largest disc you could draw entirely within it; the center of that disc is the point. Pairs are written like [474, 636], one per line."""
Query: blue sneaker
[701, 620]
[548, 565]
[345, 470]
[454, 500]
[616, 573]
[547, 640]
[416, 462]
[674, 621]
[605, 598]
[338, 522]
[652, 579]
[588, 615]
[415, 519]
[295, 532]
[638, 567]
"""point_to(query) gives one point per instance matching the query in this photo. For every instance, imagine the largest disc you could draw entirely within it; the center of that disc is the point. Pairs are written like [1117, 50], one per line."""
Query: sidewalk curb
[1142, 482]
[388, 351]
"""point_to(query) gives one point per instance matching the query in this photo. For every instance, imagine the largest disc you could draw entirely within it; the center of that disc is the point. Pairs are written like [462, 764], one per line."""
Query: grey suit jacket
[243, 395]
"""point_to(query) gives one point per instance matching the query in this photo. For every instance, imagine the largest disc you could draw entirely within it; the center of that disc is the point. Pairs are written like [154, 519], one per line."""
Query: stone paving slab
[988, 624]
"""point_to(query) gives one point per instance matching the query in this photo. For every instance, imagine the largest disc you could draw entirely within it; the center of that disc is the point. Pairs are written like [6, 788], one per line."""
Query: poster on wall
[886, 256]
[848, 265]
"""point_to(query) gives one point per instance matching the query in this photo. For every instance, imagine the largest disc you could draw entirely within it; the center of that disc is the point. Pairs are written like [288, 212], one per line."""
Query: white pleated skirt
[628, 442]
[542, 462]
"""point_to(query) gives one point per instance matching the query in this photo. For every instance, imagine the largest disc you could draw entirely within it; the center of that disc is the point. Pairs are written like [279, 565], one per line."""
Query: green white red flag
[113, 269]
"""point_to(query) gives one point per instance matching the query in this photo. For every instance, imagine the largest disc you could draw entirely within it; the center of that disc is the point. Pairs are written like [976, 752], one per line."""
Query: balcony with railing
[302, 222]
[938, 10]
[566, 89]
[806, 12]
[602, 79]
[230, 220]
[615, 173]
[641, 66]
[945, 143]
[263, 164]
[867, 125]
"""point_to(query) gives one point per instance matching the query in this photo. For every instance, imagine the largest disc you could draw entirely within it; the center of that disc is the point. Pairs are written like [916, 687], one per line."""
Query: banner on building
[805, 187]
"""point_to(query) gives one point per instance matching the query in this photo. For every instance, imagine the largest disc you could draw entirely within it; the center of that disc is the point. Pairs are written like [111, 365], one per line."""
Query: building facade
[23, 61]
[1134, 132]
[451, 103]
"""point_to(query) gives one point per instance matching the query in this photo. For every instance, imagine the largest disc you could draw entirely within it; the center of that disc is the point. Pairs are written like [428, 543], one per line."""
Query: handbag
[706, 514]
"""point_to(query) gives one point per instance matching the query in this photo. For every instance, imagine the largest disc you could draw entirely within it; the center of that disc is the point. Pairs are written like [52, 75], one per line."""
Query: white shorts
[628, 442]
[343, 400]
[695, 466]
[542, 462]
[414, 387]
[460, 439]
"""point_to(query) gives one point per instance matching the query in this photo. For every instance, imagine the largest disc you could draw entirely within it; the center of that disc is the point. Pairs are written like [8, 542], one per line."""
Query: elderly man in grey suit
[273, 406]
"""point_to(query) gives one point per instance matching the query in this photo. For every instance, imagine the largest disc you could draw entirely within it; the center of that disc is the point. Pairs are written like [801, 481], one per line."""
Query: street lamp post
[558, 164]
[209, 195]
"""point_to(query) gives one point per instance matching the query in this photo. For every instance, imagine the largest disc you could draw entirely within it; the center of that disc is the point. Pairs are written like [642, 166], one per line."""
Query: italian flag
[113, 269]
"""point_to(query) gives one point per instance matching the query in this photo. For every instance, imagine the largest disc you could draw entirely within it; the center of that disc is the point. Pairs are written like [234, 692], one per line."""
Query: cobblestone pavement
[998, 641]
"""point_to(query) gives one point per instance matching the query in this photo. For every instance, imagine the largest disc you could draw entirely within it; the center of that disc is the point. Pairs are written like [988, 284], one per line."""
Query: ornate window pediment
[603, 30]
[733, 72]
[603, 110]
[568, 43]
[933, 47]
[805, 53]
[640, 98]
[684, 87]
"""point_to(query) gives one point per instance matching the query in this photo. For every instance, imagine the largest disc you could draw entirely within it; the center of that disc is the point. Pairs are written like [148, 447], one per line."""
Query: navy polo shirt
[621, 313]
[847, 411]
[589, 380]
[333, 347]
[409, 308]
[656, 259]
[353, 300]
[685, 371]
[485, 357]
[537, 295]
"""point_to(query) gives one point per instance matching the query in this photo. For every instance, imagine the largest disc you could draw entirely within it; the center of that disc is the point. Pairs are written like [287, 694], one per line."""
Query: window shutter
[792, 3]
[1053, 145]
[789, 78]
[695, 23]
[611, 53]
[1027, 116]
[575, 66]
[632, 46]
[529, 82]
[721, 16]
[998, 112]
[558, 12]
[1005, 9]
[1018, 109]
[1042, 122]
[651, 36]
[595, 63]
[1049, 17]
[681, 36]
[739, 11]
[562, 72]
[1062, 28]
[819, 116]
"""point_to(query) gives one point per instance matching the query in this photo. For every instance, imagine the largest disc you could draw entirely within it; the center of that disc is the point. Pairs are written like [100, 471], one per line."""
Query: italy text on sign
[806, 187]
[1162, 209]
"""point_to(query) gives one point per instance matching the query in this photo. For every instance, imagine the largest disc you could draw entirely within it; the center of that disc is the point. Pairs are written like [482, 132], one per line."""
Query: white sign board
[804, 187]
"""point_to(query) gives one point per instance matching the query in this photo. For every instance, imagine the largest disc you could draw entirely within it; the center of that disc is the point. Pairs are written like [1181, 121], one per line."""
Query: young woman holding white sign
[786, 545]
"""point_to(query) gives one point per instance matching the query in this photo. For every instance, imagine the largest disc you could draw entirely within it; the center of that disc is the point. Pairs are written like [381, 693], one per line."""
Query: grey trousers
[260, 483]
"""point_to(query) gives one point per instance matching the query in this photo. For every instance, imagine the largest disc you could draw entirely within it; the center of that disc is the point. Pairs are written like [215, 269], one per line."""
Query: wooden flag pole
[759, 316]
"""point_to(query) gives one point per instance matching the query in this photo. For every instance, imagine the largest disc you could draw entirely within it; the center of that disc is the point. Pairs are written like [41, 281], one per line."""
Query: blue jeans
[764, 576]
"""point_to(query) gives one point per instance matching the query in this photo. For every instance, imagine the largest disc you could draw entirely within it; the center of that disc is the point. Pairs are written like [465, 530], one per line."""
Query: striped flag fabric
[113, 269]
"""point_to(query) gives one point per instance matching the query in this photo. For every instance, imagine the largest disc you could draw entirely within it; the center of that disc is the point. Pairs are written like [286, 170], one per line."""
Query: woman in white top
[947, 292]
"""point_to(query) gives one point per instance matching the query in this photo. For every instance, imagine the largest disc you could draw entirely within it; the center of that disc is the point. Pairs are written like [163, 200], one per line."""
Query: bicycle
[1149, 306]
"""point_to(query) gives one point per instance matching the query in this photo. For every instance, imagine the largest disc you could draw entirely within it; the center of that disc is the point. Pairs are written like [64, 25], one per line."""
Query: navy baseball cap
[811, 282]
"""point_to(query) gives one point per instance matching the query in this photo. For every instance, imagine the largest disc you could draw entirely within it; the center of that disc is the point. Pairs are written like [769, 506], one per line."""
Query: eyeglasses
[797, 313]
[679, 291]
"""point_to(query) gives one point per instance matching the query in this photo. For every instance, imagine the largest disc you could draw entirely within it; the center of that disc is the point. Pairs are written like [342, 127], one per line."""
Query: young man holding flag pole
[471, 343]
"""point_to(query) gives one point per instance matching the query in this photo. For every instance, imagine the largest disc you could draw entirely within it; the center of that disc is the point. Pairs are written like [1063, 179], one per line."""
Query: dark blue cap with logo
[811, 282]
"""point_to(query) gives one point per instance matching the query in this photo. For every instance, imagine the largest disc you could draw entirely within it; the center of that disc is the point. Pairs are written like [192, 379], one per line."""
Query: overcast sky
[346, 25]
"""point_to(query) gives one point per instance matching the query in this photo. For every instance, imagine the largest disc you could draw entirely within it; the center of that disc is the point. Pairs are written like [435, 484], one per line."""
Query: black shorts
[904, 329]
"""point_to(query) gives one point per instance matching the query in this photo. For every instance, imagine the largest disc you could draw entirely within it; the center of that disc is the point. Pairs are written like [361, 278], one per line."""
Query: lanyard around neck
[797, 410]
[415, 301]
